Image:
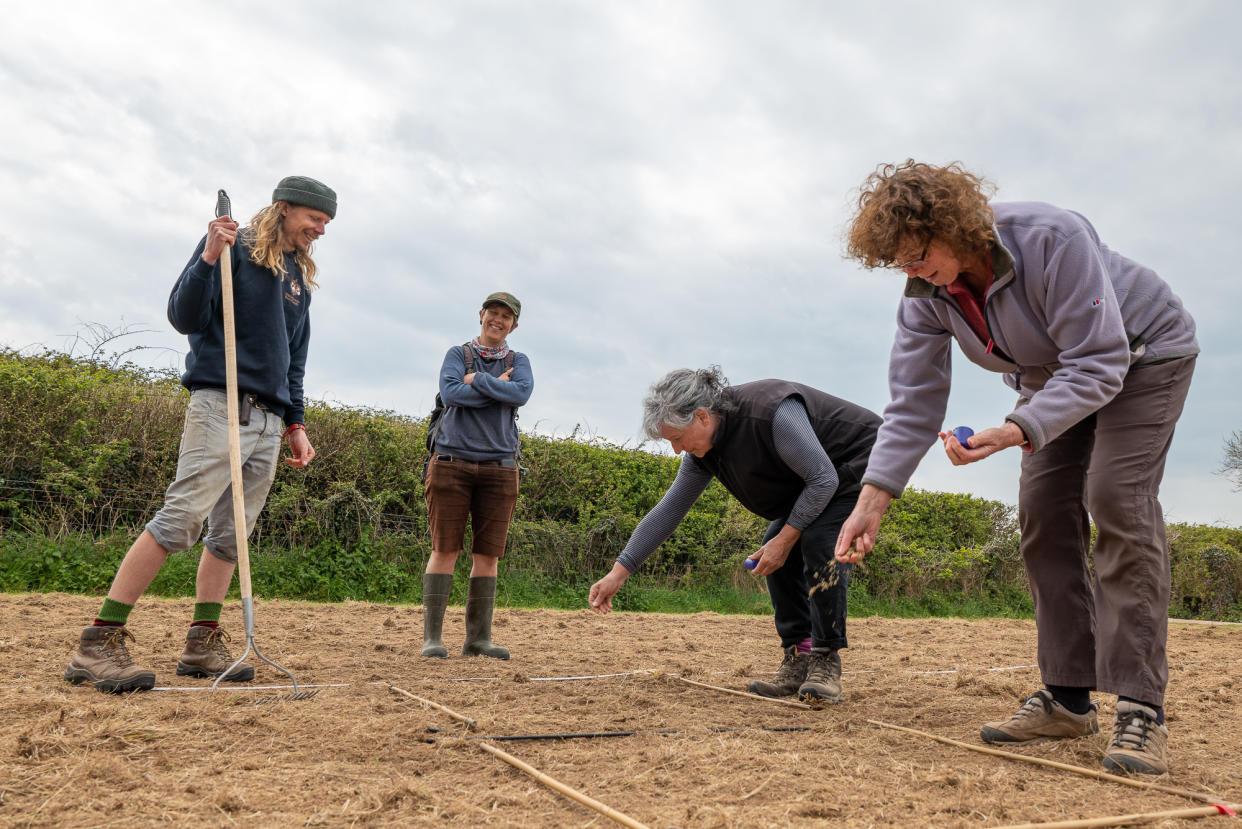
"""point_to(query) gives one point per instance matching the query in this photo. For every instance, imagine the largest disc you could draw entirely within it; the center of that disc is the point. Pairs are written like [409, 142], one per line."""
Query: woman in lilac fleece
[1101, 353]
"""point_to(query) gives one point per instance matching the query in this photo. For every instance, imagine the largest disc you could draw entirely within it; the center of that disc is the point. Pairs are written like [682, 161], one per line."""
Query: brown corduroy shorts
[486, 492]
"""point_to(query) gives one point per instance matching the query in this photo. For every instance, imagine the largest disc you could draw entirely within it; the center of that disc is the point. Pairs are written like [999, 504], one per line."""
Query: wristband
[292, 428]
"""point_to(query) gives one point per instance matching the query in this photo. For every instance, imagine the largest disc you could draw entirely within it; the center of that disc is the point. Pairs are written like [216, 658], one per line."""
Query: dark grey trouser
[1111, 639]
[806, 597]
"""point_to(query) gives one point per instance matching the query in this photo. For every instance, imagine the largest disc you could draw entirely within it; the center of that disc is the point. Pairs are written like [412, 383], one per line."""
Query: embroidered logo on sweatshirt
[1096, 302]
[295, 290]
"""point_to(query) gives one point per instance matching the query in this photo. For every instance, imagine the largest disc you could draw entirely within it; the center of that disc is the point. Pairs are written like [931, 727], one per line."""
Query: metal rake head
[300, 692]
[296, 695]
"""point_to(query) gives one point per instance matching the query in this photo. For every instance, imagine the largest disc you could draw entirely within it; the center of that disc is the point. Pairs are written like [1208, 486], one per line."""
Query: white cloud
[662, 185]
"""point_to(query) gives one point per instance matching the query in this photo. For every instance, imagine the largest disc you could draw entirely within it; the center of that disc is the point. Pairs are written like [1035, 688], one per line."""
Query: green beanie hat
[307, 192]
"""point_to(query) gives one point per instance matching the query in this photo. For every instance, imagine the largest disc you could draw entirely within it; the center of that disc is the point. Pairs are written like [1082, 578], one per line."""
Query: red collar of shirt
[972, 306]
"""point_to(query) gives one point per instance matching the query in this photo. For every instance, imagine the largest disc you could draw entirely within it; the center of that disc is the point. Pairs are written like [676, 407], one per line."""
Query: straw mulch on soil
[362, 755]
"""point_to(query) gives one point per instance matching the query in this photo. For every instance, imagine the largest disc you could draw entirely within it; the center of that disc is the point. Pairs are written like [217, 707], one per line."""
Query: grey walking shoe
[1041, 717]
[823, 678]
[207, 655]
[1139, 744]
[480, 600]
[103, 660]
[436, 590]
[789, 676]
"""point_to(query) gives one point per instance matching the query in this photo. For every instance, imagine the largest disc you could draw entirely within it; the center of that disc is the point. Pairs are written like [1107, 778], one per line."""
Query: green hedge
[89, 449]
[1207, 571]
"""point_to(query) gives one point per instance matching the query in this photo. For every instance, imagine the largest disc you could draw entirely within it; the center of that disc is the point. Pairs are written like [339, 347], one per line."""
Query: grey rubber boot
[479, 603]
[436, 589]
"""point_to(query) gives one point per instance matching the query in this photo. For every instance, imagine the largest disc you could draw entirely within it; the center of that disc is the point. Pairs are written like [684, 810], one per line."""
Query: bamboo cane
[1124, 820]
[606, 811]
[462, 718]
[746, 694]
[1040, 761]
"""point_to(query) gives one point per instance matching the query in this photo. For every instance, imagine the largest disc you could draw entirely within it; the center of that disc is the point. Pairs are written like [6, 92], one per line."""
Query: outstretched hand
[772, 556]
[982, 444]
[857, 536]
[600, 597]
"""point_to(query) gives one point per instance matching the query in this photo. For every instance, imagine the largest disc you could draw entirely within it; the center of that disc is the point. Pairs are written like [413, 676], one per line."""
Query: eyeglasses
[913, 263]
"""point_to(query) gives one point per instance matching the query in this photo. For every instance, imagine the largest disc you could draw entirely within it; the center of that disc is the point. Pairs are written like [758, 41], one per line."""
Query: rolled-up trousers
[1106, 632]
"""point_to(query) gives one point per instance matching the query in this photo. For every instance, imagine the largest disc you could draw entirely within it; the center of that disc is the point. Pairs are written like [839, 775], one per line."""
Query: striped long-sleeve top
[797, 446]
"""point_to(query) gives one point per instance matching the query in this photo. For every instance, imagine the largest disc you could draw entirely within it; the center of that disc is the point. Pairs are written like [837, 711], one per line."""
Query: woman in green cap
[472, 472]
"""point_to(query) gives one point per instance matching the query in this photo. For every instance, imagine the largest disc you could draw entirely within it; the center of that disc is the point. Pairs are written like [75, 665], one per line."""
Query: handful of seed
[824, 581]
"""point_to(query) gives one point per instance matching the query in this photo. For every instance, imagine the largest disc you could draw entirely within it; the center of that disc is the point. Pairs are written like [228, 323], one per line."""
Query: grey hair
[673, 399]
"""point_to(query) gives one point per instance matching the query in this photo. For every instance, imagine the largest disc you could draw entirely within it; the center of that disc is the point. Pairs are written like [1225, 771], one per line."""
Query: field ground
[360, 755]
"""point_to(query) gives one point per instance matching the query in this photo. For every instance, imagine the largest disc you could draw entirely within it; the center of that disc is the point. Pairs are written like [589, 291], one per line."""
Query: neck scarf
[497, 353]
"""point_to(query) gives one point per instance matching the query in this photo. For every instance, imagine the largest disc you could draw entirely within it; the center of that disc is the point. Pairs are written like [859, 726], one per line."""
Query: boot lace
[1036, 704]
[822, 669]
[1133, 730]
[788, 669]
[215, 642]
[114, 647]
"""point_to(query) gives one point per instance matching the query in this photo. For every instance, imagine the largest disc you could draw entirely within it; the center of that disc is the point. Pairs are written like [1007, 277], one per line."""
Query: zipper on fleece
[991, 342]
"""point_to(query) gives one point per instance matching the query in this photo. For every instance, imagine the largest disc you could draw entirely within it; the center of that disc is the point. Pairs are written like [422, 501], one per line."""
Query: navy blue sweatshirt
[272, 318]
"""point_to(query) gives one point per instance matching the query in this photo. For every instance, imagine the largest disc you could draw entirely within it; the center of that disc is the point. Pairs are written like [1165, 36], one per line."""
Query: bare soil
[364, 755]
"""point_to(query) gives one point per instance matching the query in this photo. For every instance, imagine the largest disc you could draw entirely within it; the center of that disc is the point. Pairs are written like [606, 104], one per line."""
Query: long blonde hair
[263, 237]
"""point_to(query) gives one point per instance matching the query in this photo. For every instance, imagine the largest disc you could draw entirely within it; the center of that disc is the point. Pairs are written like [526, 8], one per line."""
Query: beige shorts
[203, 488]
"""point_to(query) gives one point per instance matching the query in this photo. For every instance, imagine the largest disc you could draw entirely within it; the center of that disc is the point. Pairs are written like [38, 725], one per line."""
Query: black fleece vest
[745, 460]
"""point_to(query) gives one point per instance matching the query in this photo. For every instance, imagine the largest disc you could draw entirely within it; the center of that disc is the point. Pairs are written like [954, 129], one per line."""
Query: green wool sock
[114, 612]
[207, 612]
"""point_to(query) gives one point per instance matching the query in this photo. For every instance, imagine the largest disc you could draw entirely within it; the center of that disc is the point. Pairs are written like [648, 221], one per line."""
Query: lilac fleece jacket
[1069, 318]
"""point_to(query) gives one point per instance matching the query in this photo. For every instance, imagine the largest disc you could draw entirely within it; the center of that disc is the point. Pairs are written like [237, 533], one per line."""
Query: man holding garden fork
[273, 277]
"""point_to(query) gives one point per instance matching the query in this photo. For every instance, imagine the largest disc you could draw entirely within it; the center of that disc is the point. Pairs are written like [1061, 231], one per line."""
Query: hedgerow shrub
[89, 448]
[932, 542]
[1207, 571]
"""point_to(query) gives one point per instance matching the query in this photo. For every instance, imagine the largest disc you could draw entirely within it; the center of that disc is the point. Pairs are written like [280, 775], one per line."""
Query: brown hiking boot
[206, 655]
[1139, 744]
[103, 660]
[823, 678]
[789, 676]
[1041, 717]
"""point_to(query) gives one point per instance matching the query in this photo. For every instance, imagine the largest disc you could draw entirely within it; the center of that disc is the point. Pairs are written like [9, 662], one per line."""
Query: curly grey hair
[673, 400]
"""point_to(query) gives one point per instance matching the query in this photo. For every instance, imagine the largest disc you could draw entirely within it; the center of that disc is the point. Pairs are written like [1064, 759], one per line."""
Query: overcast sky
[662, 184]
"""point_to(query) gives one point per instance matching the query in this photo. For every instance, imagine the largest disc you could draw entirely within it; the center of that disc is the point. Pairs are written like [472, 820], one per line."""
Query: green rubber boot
[436, 589]
[479, 603]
